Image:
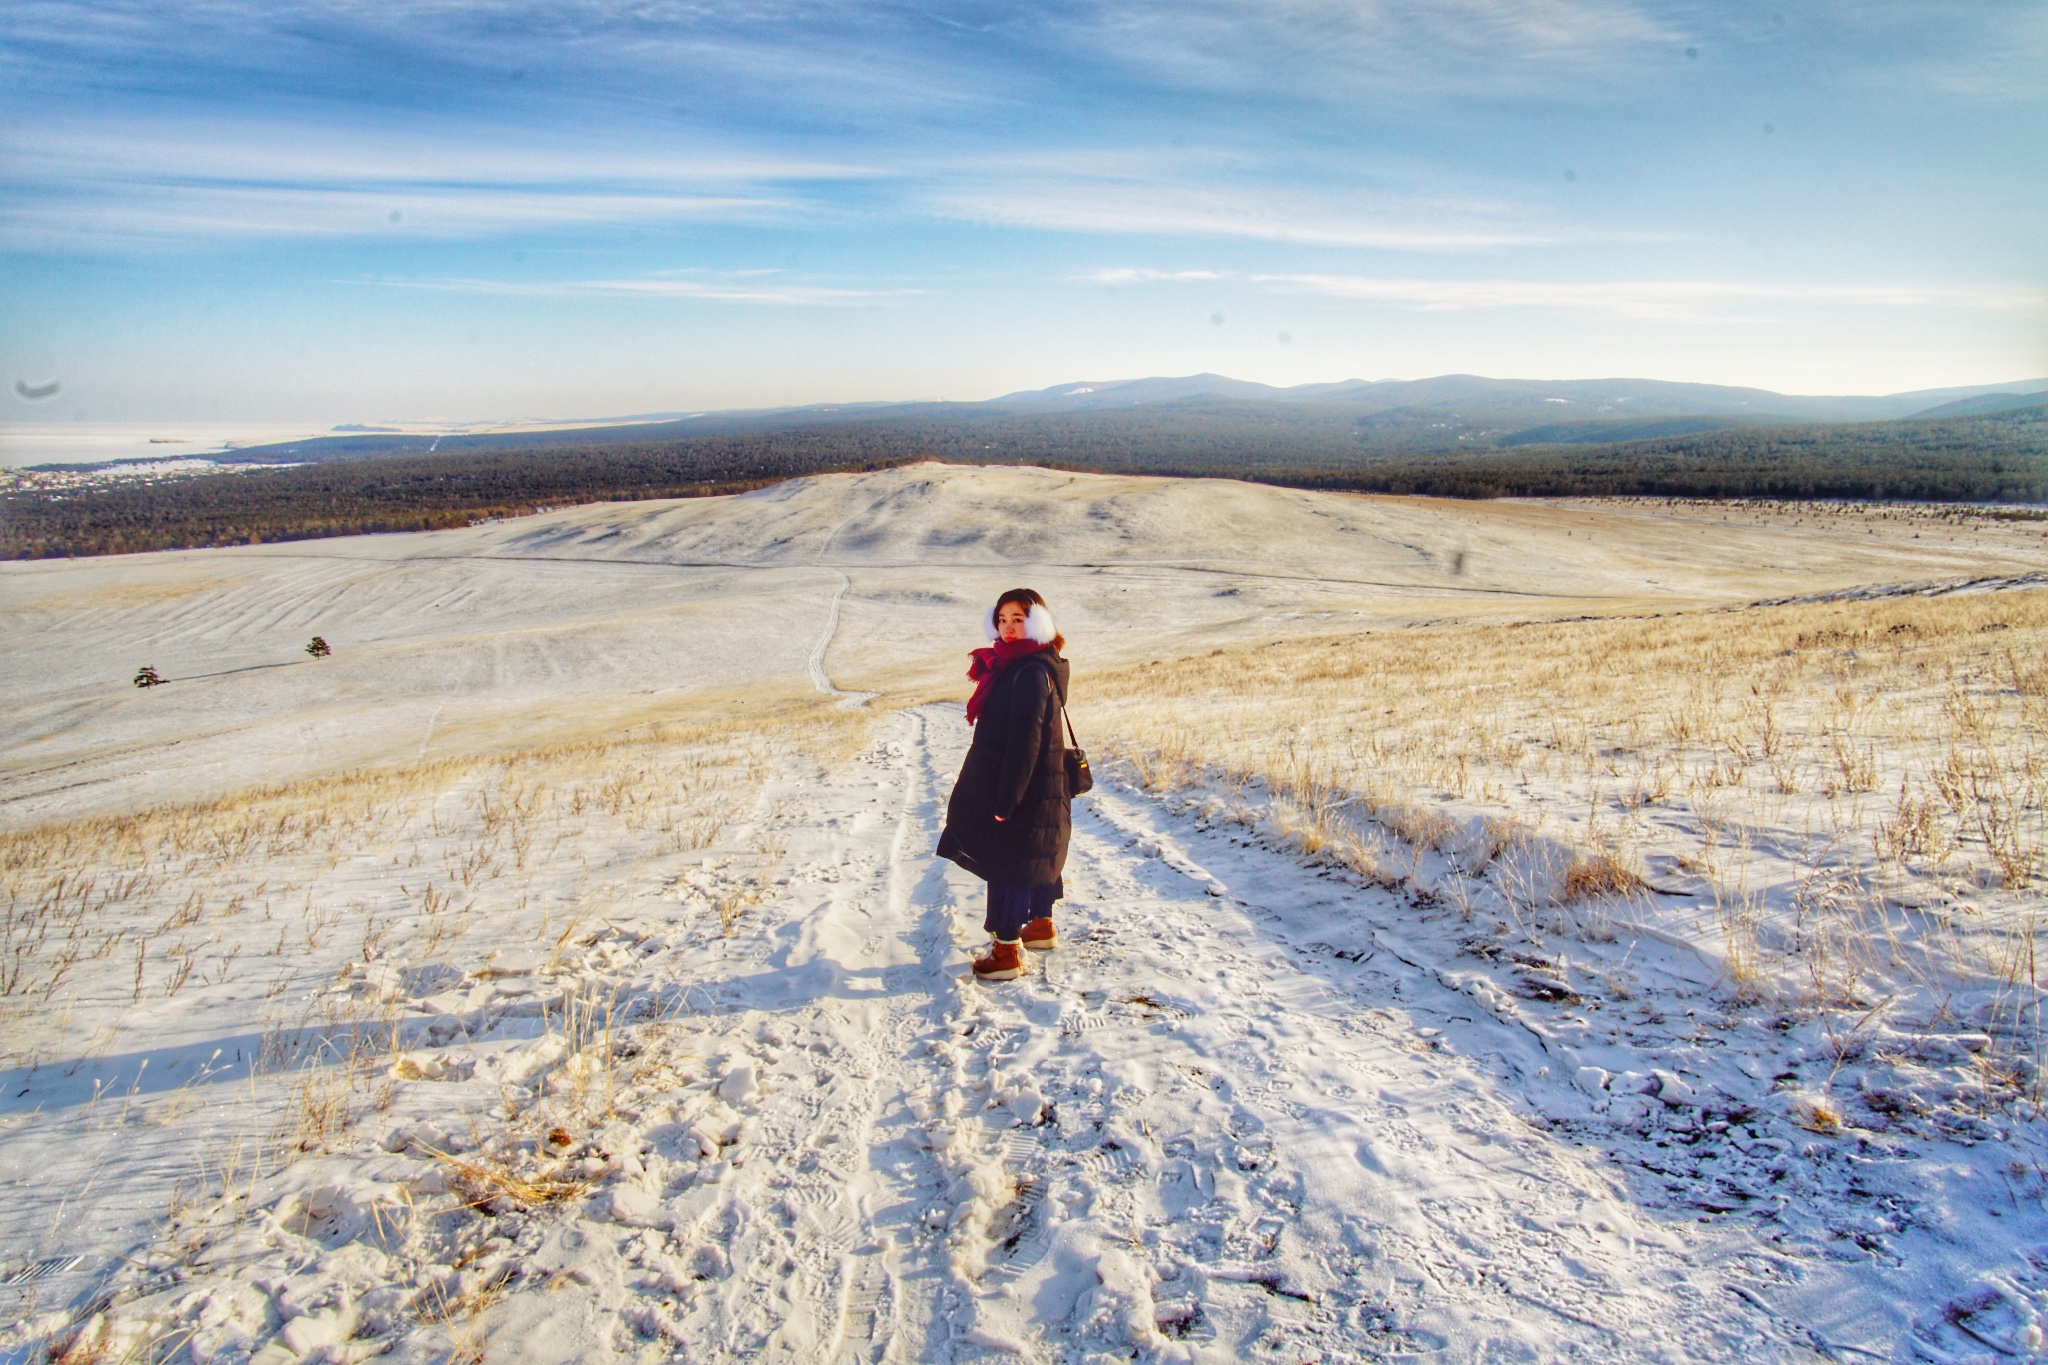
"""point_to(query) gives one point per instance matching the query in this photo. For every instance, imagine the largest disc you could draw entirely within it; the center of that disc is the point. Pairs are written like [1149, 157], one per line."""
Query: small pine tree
[147, 677]
[318, 648]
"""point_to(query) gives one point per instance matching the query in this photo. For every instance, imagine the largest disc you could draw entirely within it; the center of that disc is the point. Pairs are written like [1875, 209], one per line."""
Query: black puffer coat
[1016, 768]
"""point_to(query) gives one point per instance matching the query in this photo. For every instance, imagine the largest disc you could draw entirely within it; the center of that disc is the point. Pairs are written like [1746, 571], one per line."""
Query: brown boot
[1005, 962]
[1040, 936]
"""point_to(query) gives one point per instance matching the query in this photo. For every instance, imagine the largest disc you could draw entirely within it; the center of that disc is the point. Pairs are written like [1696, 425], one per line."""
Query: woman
[1009, 820]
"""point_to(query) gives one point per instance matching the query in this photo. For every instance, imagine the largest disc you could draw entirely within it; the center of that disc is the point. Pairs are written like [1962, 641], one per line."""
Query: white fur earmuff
[1038, 626]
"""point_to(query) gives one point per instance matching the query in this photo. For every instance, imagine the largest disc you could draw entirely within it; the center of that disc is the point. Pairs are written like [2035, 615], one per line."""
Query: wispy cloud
[1127, 275]
[742, 286]
[370, 148]
[196, 178]
[879, 61]
[212, 178]
[84, 220]
[1650, 299]
[1339, 49]
[1375, 203]
[1661, 300]
[1235, 213]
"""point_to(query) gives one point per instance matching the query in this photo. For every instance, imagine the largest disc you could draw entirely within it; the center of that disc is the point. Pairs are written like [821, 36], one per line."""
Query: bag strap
[1072, 742]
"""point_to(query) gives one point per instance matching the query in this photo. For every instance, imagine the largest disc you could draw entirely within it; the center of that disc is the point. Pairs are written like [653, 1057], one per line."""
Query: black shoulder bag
[1079, 779]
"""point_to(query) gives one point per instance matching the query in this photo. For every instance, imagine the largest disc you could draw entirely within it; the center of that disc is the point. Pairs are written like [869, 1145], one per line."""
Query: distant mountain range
[1455, 436]
[1454, 411]
[1614, 398]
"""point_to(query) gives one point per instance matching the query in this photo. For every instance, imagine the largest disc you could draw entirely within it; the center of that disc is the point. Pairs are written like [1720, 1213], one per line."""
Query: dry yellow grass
[114, 915]
[1601, 874]
[113, 918]
[480, 1180]
[1878, 766]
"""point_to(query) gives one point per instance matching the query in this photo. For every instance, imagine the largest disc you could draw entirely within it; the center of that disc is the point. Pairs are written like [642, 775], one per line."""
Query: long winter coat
[1016, 768]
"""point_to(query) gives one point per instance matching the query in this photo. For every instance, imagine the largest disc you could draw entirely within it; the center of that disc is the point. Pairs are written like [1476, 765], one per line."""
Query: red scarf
[986, 663]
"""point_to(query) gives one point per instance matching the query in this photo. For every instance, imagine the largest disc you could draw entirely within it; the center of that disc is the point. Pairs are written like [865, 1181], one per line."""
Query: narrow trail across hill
[1219, 1120]
[815, 664]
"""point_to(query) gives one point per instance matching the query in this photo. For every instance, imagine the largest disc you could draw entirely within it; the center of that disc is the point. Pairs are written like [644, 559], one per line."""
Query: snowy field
[77, 443]
[1494, 938]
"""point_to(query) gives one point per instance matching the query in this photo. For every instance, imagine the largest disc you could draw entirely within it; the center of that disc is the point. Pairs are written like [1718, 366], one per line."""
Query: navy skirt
[1010, 908]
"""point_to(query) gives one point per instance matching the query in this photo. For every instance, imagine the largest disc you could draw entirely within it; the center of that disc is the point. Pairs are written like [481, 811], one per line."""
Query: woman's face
[1010, 621]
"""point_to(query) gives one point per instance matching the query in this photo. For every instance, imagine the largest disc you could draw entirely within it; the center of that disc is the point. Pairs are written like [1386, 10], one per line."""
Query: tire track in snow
[822, 1252]
[897, 1295]
[870, 1311]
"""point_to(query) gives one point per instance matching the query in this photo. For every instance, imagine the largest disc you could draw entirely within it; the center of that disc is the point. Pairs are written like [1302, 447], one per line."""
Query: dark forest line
[1991, 458]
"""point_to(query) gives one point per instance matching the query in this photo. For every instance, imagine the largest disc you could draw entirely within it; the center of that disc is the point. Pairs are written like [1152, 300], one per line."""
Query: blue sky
[355, 211]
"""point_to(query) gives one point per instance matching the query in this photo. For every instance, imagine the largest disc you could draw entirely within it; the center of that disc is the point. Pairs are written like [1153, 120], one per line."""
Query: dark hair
[1027, 598]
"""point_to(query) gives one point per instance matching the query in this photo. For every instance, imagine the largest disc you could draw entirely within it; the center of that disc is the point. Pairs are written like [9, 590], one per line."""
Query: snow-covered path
[1222, 1117]
[1234, 1116]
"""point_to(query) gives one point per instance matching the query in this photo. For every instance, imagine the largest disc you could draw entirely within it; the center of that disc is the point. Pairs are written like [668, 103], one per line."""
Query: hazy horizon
[79, 440]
